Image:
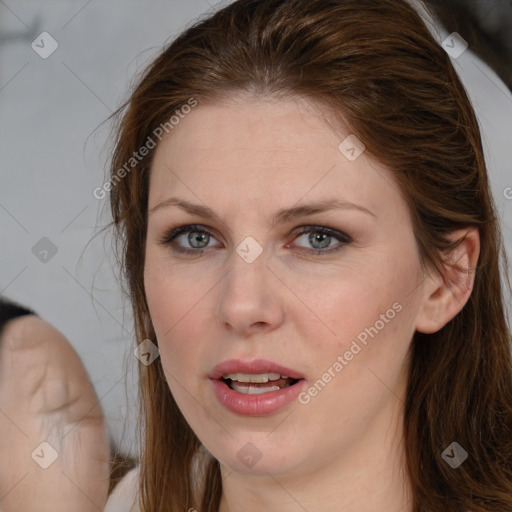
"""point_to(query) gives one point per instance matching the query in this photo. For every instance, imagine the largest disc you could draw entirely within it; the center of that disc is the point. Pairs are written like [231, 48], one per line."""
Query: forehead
[244, 123]
[257, 148]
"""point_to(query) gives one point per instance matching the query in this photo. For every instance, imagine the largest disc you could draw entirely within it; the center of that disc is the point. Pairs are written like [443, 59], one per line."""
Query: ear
[445, 296]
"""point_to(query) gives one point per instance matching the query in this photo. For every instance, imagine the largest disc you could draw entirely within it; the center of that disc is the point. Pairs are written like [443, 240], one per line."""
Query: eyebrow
[283, 215]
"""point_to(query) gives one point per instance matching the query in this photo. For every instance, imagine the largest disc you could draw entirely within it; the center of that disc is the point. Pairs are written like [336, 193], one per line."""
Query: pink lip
[254, 366]
[254, 405]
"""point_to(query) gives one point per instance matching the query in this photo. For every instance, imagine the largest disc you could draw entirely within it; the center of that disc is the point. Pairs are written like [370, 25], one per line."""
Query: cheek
[177, 307]
[367, 315]
[364, 359]
[176, 303]
[170, 295]
[335, 310]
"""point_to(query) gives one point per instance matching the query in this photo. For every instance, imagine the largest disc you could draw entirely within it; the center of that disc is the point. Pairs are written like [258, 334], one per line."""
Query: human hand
[46, 396]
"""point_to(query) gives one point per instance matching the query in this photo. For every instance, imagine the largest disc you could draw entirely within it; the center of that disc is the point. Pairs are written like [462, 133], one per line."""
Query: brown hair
[376, 63]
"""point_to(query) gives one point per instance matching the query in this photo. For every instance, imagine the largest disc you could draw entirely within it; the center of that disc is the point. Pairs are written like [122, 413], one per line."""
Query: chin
[250, 456]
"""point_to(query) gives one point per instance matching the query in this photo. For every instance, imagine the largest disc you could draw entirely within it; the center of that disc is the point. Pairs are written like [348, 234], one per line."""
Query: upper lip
[254, 366]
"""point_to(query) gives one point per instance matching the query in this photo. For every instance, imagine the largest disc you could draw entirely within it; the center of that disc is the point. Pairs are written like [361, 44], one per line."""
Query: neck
[367, 476]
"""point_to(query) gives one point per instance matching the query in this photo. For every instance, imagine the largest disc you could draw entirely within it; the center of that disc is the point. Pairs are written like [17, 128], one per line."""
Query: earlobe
[445, 296]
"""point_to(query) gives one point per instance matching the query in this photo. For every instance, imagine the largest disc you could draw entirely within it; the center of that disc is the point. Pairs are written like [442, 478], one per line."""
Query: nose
[250, 298]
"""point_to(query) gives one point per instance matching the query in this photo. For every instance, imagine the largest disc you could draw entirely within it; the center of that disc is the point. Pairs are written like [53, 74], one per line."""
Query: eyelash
[169, 237]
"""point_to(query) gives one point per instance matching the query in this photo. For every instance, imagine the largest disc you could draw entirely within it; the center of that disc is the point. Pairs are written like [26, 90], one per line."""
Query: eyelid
[171, 234]
[335, 233]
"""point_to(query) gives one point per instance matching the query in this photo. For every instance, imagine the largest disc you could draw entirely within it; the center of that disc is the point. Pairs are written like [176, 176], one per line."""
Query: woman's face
[296, 259]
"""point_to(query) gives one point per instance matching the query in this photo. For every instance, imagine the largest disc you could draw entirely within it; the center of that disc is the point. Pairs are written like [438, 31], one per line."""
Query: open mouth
[257, 384]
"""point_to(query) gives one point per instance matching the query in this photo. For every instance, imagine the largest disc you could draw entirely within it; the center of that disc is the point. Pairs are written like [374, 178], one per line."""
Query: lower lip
[255, 405]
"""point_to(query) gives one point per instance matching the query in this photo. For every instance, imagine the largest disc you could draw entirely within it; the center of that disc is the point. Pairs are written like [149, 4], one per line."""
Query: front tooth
[261, 378]
[253, 390]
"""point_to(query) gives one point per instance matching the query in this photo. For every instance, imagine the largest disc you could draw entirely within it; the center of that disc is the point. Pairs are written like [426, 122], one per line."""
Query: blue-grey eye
[192, 239]
[188, 239]
[198, 239]
[319, 240]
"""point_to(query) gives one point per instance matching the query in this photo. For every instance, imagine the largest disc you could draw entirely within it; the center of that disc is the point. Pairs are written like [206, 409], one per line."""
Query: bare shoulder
[125, 496]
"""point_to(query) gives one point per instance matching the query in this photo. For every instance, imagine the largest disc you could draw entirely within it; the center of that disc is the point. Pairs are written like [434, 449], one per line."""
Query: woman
[308, 236]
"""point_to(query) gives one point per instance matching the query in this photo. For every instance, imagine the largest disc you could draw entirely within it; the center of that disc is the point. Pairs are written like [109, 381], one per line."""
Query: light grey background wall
[53, 155]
